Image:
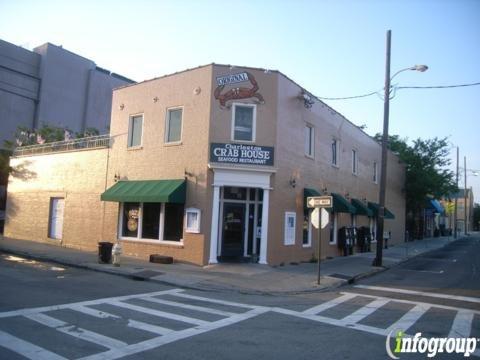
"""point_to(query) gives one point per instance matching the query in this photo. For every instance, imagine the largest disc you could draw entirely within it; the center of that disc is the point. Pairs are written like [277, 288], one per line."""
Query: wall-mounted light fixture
[347, 195]
[116, 177]
[293, 182]
[121, 107]
[155, 99]
[307, 99]
[324, 190]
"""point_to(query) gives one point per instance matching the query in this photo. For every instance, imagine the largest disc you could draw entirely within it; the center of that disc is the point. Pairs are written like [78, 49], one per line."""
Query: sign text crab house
[241, 154]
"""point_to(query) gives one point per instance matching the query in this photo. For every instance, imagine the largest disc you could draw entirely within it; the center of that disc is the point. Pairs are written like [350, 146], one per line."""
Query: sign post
[321, 202]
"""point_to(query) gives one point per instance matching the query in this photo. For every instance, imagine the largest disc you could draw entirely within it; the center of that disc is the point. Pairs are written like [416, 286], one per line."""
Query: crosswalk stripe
[27, 349]
[410, 318]
[329, 304]
[363, 312]
[422, 293]
[149, 327]
[186, 306]
[93, 312]
[214, 301]
[77, 332]
[159, 313]
[462, 324]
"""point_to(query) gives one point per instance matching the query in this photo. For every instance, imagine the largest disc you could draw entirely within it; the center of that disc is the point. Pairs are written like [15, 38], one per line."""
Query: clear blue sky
[332, 48]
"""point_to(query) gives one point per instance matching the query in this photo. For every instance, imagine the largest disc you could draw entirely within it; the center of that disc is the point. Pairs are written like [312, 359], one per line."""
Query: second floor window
[135, 131]
[174, 125]
[375, 172]
[354, 162]
[309, 141]
[243, 122]
[334, 152]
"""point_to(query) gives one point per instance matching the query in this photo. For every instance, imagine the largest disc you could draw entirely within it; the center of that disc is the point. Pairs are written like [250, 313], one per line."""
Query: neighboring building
[51, 85]
[208, 164]
[461, 209]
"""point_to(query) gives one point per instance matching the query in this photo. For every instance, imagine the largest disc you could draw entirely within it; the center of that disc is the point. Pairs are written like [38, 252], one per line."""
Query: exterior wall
[78, 177]
[19, 84]
[157, 160]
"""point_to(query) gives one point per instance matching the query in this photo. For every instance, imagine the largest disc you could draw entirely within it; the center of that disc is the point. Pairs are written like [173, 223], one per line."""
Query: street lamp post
[383, 171]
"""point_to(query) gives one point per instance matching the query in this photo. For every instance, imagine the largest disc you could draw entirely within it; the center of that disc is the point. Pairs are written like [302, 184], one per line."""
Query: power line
[348, 97]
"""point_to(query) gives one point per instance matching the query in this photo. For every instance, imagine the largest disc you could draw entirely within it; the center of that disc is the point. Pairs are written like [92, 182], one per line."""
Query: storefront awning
[341, 205]
[166, 191]
[361, 208]
[436, 206]
[374, 207]
[308, 193]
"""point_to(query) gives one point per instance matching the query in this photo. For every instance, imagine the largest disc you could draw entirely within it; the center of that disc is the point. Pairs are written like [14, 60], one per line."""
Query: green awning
[341, 205]
[374, 207]
[361, 208]
[308, 193]
[166, 191]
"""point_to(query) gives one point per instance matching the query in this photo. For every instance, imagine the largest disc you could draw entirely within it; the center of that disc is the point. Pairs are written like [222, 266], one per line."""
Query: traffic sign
[319, 202]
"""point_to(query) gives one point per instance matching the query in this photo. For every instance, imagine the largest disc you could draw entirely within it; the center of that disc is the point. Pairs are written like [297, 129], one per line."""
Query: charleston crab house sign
[241, 154]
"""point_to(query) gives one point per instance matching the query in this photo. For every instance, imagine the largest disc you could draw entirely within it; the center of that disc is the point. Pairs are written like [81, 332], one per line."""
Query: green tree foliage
[426, 173]
[476, 217]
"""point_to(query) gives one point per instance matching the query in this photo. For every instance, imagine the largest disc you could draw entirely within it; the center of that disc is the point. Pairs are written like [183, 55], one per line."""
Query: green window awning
[374, 207]
[341, 205]
[148, 191]
[308, 193]
[361, 208]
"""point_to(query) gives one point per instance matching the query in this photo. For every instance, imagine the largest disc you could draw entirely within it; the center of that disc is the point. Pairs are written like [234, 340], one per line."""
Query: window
[307, 229]
[375, 180]
[174, 125]
[309, 141]
[333, 228]
[151, 221]
[335, 152]
[193, 220]
[353, 219]
[135, 129]
[290, 218]
[243, 122]
[354, 162]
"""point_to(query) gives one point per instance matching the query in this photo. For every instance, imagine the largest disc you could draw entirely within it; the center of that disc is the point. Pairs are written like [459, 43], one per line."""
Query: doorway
[57, 206]
[233, 230]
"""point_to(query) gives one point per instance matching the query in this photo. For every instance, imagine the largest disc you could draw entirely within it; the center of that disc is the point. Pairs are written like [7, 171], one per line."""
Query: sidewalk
[246, 278]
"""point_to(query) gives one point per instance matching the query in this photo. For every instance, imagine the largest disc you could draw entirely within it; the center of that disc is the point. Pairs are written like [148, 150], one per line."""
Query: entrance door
[56, 218]
[233, 229]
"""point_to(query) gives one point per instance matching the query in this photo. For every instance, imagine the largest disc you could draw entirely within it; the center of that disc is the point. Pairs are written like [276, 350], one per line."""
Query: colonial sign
[238, 92]
[241, 154]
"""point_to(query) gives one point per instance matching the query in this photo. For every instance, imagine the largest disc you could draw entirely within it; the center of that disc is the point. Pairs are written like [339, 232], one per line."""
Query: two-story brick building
[209, 164]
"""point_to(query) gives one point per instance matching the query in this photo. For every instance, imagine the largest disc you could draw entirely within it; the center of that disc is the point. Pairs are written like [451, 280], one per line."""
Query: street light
[383, 171]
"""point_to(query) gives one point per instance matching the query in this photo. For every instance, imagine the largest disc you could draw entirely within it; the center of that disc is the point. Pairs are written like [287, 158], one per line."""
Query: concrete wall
[78, 177]
[19, 84]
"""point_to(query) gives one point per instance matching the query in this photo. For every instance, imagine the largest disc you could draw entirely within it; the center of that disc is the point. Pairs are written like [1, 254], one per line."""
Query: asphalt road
[53, 312]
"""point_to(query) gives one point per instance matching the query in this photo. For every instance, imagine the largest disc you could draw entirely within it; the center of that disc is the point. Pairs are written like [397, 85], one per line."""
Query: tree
[426, 174]
[476, 217]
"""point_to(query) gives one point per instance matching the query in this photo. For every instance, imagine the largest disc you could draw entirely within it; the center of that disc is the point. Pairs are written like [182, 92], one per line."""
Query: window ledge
[306, 245]
[310, 157]
[335, 166]
[163, 243]
[247, 142]
[173, 143]
[133, 148]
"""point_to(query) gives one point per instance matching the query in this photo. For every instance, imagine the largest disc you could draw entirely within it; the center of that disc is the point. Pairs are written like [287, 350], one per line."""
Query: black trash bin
[105, 252]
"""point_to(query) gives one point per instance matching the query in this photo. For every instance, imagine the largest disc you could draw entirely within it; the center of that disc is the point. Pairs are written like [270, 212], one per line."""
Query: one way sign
[319, 202]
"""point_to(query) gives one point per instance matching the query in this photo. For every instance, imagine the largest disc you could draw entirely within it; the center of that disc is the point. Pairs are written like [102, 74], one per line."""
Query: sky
[332, 48]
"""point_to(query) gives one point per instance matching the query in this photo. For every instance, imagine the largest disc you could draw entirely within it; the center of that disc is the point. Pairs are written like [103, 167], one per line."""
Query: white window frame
[167, 126]
[254, 122]
[309, 230]
[193, 229]
[130, 131]
[309, 141]
[140, 225]
[335, 230]
[354, 161]
[337, 152]
[375, 172]
[289, 232]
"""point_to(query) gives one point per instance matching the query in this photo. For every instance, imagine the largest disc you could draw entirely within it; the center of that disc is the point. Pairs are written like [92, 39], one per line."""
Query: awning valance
[374, 207]
[308, 193]
[166, 191]
[361, 208]
[341, 205]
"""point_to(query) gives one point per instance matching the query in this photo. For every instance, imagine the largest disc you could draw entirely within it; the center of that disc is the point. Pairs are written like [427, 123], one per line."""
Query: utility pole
[456, 203]
[465, 194]
[383, 171]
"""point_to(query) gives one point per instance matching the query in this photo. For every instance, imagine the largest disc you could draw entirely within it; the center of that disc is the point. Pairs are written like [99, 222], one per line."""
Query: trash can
[105, 252]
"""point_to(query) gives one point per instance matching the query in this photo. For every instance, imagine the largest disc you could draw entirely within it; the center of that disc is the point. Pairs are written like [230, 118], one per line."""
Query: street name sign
[319, 202]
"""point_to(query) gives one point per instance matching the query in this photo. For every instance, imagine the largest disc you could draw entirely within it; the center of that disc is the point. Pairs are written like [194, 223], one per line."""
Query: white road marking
[27, 349]
[159, 313]
[149, 327]
[462, 324]
[329, 304]
[77, 332]
[186, 306]
[93, 312]
[363, 312]
[214, 301]
[410, 318]
[422, 293]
